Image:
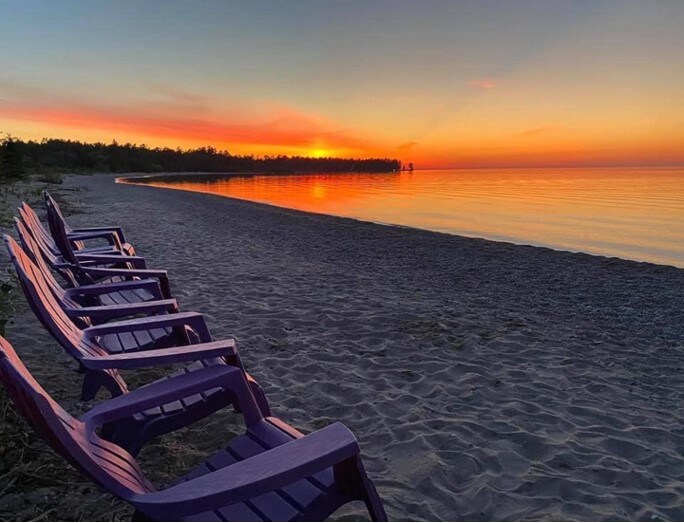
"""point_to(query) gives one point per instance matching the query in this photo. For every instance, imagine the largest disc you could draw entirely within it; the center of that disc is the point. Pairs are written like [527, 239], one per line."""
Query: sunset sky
[440, 83]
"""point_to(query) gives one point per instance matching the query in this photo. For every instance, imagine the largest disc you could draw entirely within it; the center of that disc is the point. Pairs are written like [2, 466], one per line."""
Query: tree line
[18, 157]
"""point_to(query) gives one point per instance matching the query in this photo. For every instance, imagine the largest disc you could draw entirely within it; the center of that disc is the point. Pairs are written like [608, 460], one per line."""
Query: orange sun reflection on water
[318, 191]
[629, 213]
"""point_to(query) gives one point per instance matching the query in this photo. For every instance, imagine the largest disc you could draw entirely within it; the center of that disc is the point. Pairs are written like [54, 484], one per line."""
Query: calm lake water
[628, 213]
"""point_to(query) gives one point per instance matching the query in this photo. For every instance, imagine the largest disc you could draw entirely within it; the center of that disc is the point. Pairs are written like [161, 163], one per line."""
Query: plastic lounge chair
[68, 247]
[112, 293]
[113, 235]
[95, 268]
[272, 472]
[103, 350]
[104, 256]
[29, 215]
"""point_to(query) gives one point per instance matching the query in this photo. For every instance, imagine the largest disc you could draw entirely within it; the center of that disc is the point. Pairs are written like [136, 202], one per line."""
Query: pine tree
[11, 160]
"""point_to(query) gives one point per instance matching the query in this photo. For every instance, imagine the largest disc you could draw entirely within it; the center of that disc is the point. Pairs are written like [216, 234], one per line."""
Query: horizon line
[9, 134]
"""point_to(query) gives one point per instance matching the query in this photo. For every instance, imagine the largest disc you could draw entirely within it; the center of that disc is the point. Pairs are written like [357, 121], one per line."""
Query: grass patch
[10, 297]
[37, 484]
[12, 194]
[50, 177]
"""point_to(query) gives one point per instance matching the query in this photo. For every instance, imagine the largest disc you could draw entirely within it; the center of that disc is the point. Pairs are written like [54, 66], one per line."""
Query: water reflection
[629, 213]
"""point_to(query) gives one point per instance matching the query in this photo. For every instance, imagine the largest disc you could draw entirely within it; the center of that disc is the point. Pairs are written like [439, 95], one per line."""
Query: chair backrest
[42, 252]
[69, 266]
[60, 235]
[55, 216]
[49, 311]
[45, 305]
[104, 462]
[30, 247]
[32, 221]
[53, 208]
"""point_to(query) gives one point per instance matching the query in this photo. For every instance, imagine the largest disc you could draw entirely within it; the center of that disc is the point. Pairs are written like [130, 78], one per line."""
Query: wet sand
[484, 380]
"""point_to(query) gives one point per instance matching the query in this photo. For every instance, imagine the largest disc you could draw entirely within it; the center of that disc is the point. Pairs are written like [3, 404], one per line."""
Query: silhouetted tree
[11, 160]
[71, 156]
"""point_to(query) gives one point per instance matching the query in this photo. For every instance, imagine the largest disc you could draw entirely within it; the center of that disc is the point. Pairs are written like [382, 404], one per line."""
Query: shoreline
[130, 180]
[484, 380]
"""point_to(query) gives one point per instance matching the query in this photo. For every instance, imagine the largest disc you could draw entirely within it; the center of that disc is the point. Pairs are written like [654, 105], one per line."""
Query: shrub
[50, 177]
[11, 159]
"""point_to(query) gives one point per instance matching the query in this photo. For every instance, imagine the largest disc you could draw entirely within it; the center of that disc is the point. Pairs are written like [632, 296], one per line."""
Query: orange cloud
[484, 83]
[189, 120]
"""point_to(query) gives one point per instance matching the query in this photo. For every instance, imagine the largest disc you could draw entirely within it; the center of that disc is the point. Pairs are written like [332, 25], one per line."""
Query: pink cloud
[484, 83]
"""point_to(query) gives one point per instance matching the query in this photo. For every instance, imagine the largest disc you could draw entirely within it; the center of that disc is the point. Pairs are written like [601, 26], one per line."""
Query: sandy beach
[484, 380]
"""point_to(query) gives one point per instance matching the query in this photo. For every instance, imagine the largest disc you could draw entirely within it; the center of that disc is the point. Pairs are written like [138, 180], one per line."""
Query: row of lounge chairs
[111, 313]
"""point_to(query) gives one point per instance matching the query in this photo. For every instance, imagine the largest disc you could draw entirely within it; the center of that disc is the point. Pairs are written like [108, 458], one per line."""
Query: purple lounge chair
[101, 256]
[87, 271]
[102, 350]
[78, 245]
[69, 248]
[113, 235]
[272, 472]
[121, 293]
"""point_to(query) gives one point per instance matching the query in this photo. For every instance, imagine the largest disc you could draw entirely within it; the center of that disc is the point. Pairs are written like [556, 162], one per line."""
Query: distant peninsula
[68, 156]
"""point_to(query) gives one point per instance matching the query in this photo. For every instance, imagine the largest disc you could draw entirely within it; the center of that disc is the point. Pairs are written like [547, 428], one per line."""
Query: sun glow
[319, 153]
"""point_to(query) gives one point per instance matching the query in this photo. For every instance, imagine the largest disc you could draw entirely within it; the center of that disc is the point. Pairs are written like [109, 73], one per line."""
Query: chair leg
[127, 434]
[92, 382]
[257, 391]
[260, 398]
[374, 503]
[351, 477]
[139, 516]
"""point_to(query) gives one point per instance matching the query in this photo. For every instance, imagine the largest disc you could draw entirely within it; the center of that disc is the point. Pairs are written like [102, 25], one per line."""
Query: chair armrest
[194, 320]
[270, 470]
[103, 272]
[99, 289]
[167, 356]
[99, 249]
[107, 312]
[110, 237]
[165, 391]
[138, 262]
[116, 230]
[85, 263]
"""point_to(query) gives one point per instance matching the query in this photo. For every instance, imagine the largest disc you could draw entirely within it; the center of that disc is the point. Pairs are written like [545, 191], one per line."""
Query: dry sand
[484, 380]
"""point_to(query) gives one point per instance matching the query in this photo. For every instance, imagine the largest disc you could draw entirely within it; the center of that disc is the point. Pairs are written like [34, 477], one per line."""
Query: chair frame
[286, 465]
[169, 338]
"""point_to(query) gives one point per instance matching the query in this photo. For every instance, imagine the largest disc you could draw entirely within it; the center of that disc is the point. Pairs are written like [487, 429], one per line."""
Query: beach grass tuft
[36, 484]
